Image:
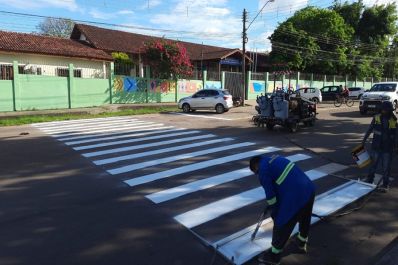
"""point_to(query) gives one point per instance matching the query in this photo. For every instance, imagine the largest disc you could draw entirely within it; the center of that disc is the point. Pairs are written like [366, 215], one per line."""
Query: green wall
[89, 92]
[6, 98]
[41, 92]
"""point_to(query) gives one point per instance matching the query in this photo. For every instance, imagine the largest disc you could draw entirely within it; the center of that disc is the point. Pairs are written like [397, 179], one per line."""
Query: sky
[213, 22]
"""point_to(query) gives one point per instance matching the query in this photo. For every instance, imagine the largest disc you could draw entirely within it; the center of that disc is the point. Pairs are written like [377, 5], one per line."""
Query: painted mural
[213, 85]
[132, 84]
[189, 86]
[257, 87]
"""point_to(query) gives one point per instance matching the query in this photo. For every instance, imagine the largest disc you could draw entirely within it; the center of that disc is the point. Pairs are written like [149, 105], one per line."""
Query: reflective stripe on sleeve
[285, 172]
[271, 201]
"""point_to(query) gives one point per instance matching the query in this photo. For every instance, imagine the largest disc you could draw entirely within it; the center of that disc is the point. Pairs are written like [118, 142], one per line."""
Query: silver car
[207, 99]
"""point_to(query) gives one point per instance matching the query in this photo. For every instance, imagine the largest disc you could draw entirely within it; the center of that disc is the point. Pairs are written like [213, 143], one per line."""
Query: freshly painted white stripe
[160, 161]
[202, 116]
[207, 183]
[240, 248]
[189, 168]
[93, 126]
[156, 152]
[114, 129]
[78, 121]
[87, 125]
[216, 209]
[115, 132]
[111, 126]
[142, 146]
[85, 147]
[159, 130]
[322, 171]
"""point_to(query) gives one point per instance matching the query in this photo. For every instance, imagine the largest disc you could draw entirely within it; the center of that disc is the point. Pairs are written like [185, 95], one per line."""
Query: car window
[201, 93]
[334, 89]
[325, 89]
[383, 88]
[212, 93]
[226, 92]
[311, 90]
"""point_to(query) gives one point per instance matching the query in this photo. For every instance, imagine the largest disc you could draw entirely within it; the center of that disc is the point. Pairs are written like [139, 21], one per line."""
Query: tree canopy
[56, 27]
[347, 38]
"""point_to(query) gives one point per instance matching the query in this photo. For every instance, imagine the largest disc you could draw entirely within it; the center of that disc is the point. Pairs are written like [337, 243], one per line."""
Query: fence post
[204, 78]
[297, 80]
[15, 84]
[334, 79]
[148, 84]
[266, 75]
[70, 84]
[249, 79]
[111, 81]
[176, 90]
[371, 82]
[346, 80]
[312, 80]
[324, 80]
[283, 81]
[223, 79]
[356, 80]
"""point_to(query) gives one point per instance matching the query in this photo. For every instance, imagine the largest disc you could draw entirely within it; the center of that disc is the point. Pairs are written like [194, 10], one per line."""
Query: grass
[21, 120]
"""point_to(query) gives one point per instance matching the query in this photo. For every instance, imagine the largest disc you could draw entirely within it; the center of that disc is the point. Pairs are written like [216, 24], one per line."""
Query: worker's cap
[387, 106]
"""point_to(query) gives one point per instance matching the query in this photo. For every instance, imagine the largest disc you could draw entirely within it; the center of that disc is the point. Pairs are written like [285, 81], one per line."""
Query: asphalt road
[80, 198]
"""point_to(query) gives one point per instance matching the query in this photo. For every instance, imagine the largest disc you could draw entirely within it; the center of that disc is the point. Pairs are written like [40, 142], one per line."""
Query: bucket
[361, 156]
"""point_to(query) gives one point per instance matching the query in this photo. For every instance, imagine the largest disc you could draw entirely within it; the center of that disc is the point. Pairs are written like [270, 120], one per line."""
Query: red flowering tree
[168, 59]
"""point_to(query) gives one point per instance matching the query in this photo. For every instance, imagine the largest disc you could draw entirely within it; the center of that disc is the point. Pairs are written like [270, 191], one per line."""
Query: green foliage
[122, 57]
[348, 39]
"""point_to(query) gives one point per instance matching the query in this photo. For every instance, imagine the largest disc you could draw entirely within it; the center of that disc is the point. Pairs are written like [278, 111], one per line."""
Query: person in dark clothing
[384, 129]
[290, 196]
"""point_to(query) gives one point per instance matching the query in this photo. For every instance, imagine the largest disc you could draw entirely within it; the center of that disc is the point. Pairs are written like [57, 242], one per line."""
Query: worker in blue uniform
[290, 196]
[384, 129]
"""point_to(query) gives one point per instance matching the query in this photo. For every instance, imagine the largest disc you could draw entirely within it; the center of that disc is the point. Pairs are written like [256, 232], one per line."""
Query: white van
[372, 100]
[311, 93]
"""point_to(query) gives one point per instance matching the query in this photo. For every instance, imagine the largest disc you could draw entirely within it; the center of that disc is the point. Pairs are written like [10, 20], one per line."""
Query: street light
[245, 40]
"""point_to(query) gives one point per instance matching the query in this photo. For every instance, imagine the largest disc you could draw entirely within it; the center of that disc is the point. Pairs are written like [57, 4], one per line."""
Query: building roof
[120, 41]
[37, 44]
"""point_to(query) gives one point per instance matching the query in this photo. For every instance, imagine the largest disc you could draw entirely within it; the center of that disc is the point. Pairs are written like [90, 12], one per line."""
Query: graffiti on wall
[189, 86]
[133, 84]
[213, 85]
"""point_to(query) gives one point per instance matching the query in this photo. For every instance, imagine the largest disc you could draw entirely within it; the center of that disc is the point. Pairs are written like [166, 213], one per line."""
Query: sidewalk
[390, 255]
[92, 110]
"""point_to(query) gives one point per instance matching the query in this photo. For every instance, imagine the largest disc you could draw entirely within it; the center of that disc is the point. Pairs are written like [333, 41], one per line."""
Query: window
[212, 93]
[6, 72]
[201, 93]
[334, 89]
[226, 92]
[64, 72]
[29, 70]
[384, 88]
[325, 89]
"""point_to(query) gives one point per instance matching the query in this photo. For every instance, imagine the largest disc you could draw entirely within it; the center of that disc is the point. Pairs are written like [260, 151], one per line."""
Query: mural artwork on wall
[189, 86]
[163, 86]
[257, 87]
[132, 84]
[213, 85]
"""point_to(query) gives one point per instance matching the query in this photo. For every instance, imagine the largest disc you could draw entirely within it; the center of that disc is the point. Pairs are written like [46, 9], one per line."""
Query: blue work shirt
[287, 187]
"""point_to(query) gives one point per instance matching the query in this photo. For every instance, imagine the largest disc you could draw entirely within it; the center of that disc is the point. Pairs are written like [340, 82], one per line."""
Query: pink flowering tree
[168, 59]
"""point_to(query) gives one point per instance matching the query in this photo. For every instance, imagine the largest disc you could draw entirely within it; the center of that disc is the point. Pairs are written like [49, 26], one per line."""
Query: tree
[56, 27]
[351, 13]
[168, 59]
[306, 41]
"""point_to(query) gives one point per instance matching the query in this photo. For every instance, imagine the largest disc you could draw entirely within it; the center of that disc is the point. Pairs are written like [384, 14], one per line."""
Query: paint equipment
[260, 221]
[361, 156]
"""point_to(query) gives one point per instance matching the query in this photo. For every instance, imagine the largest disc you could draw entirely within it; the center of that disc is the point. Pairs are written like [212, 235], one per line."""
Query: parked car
[330, 92]
[311, 93]
[356, 92]
[380, 92]
[207, 99]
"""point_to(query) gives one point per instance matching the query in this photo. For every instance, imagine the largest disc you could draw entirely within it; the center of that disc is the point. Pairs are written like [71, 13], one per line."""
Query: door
[213, 97]
[234, 84]
[199, 99]
[326, 93]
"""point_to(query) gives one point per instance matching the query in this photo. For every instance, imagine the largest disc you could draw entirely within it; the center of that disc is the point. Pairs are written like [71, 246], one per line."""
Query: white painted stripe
[202, 116]
[155, 152]
[118, 128]
[241, 248]
[216, 209]
[189, 168]
[79, 121]
[207, 183]
[106, 137]
[87, 125]
[142, 146]
[322, 171]
[94, 129]
[180, 133]
[92, 126]
[116, 132]
[160, 161]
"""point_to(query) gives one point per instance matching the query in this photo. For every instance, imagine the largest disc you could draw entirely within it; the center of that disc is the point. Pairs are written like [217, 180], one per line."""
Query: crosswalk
[201, 179]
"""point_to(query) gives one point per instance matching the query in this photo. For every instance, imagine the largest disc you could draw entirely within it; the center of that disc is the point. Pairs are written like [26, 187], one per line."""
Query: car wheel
[395, 105]
[220, 109]
[359, 97]
[193, 110]
[186, 108]
[270, 126]
[315, 100]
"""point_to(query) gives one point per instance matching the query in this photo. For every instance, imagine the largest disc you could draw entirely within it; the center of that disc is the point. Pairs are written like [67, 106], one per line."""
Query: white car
[371, 101]
[207, 99]
[356, 92]
[310, 93]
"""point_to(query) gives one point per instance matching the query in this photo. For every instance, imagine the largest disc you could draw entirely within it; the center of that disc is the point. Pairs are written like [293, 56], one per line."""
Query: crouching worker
[290, 196]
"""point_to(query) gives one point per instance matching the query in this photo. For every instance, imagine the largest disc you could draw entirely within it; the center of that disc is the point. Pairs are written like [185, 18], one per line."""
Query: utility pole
[244, 41]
